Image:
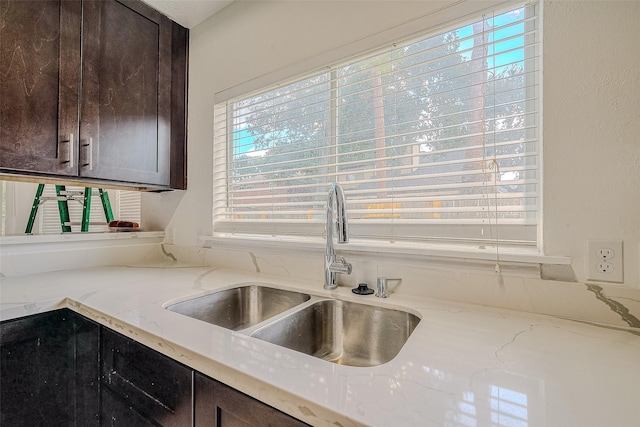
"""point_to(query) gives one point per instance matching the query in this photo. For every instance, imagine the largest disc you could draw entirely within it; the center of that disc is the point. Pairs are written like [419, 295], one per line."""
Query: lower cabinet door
[217, 405]
[49, 370]
[142, 387]
[116, 411]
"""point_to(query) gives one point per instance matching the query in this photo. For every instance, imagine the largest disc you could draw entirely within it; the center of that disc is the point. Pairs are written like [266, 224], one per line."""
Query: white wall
[591, 103]
[592, 128]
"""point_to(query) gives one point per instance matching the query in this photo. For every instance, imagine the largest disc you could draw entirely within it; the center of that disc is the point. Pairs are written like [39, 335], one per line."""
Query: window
[435, 138]
[17, 201]
[125, 205]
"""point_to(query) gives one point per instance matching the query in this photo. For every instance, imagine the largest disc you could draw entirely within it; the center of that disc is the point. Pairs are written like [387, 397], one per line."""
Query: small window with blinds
[435, 138]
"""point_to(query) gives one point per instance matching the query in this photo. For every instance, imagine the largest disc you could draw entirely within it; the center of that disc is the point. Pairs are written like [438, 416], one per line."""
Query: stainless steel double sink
[342, 332]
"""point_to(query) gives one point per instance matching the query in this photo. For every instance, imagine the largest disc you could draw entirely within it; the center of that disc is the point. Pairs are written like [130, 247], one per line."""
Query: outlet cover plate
[607, 253]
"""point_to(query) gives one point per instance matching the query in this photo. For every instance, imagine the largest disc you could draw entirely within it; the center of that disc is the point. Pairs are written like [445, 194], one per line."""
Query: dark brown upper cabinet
[39, 85]
[94, 90]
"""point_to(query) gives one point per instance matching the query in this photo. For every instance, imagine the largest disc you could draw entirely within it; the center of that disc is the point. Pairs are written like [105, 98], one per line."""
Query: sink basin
[342, 332]
[239, 308]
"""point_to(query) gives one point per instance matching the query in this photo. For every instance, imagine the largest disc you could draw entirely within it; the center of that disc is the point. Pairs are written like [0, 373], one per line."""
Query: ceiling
[188, 13]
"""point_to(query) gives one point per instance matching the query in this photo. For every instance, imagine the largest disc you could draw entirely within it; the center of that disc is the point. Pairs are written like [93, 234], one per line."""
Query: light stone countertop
[464, 365]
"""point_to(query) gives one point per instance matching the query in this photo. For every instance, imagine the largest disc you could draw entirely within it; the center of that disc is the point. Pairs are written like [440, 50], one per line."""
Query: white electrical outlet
[604, 267]
[604, 261]
[605, 253]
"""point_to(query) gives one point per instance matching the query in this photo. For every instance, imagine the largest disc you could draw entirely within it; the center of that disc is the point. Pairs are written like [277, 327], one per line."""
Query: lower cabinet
[61, 369]
[141, 386]
[221, 406]
[49, 370]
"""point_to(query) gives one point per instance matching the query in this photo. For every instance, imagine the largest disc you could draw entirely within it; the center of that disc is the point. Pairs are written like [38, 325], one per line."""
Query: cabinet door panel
[39, 85]
[218, 405]
[148, 384]
[126, 93]
[35, 385]
[86, 367]
[117, 412]
[49, 370]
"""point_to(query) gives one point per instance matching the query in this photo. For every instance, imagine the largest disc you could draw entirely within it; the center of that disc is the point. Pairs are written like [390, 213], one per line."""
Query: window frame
[438, 233]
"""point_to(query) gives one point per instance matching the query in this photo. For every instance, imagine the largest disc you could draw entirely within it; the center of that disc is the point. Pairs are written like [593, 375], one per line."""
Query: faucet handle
[340, 266]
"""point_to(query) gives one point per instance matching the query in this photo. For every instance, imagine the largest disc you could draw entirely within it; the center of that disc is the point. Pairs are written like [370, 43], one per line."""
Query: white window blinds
[128, 206]
[432, 138]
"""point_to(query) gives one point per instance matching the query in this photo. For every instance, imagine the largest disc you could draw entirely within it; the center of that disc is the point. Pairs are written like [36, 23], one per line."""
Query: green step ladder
[62, 197]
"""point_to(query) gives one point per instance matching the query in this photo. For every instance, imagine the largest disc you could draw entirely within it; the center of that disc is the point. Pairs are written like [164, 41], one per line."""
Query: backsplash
[518, 288]
[20, 255]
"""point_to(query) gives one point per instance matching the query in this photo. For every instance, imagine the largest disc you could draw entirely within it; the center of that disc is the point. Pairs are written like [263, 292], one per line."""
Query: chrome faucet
[332, 264]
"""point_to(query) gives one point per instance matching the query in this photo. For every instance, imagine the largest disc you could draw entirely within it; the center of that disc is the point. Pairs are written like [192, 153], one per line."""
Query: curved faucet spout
[332, 264]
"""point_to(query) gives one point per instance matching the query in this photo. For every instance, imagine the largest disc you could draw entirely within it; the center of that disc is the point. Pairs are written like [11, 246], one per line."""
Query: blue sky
[509, 56]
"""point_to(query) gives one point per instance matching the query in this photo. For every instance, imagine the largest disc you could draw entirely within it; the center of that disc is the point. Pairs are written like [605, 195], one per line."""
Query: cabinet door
[142, 386]
[85, 343]
[217, 405]
[125, 132]
[116, 411]
[39, 85]
[49, 370]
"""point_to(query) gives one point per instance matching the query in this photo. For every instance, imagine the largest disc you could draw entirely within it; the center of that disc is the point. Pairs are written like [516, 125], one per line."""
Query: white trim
[139, 236]
[541, 127]
[443, 251]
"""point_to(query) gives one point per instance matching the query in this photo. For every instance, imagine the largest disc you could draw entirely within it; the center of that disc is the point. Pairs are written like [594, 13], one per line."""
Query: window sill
[80, 237]
[444, 251]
